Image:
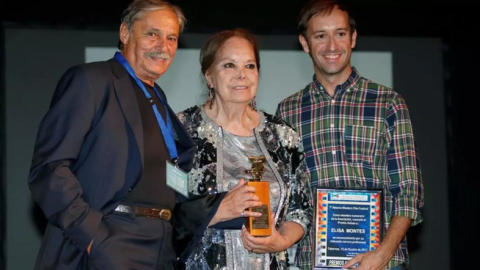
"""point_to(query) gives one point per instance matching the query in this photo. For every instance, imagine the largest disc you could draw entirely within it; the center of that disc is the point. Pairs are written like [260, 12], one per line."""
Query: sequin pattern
[291, 197]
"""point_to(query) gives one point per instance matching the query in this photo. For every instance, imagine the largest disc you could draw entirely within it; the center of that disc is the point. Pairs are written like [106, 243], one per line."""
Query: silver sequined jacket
[284, 151]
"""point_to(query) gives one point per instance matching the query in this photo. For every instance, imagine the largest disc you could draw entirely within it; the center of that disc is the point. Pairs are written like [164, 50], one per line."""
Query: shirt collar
[348, 84]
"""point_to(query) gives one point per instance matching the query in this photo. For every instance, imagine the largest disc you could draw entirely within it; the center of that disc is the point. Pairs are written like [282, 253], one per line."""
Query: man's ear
[354, 39]
[124, 33]
[304, 43]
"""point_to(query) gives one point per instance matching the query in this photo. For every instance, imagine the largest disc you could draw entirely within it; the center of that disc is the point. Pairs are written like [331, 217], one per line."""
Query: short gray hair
[133, 12]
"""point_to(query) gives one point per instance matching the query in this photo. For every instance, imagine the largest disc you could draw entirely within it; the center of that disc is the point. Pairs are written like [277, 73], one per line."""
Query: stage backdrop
[412, 66]
[282, 72]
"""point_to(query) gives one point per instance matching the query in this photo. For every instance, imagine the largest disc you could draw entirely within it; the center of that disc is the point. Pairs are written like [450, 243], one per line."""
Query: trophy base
[260, 226]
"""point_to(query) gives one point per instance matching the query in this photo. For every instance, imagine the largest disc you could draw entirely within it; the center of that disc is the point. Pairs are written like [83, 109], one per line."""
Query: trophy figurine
[259, 226]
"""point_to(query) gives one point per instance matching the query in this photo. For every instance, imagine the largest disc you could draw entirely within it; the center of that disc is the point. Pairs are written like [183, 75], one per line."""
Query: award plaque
[259, 226]
[348, 222]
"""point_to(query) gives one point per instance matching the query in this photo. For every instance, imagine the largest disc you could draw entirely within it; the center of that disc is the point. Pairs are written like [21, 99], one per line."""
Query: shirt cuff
[407, 207]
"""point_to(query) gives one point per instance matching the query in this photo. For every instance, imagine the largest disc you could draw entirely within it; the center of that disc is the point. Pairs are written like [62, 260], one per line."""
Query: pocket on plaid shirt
[360, 143]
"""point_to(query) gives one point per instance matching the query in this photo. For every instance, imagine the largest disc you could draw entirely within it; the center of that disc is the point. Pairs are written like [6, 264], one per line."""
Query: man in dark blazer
[99, 165]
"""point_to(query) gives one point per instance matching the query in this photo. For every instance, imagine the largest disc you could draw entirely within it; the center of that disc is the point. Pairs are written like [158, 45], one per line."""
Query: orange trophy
[259, 226]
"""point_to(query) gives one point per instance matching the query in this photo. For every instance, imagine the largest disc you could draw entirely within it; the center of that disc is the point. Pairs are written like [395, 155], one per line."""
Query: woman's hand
[235, 202]
[278, 241]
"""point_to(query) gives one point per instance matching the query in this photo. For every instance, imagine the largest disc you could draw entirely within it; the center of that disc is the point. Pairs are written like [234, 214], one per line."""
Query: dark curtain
[3, 214]
[462, 69]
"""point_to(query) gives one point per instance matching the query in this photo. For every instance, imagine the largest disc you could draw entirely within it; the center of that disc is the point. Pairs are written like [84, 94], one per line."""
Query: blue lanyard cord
[167, 130]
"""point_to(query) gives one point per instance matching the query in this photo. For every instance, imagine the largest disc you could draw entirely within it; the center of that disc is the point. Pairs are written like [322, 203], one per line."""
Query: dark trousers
[133, 243]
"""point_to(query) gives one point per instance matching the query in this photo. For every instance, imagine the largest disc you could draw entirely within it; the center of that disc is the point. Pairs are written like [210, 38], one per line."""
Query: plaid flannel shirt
[361, 137]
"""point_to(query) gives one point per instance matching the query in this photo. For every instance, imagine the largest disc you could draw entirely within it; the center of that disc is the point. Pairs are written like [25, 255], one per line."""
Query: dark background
[455, 22]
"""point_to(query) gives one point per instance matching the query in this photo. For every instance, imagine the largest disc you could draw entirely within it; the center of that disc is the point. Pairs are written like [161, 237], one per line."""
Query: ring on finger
[242, 214]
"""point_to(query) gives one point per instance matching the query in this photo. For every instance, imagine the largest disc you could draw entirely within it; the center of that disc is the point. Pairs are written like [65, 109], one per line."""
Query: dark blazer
[88, 156]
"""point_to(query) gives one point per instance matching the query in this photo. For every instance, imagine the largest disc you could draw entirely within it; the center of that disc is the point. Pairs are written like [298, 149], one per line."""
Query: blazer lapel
[128, 102]
[183, 141]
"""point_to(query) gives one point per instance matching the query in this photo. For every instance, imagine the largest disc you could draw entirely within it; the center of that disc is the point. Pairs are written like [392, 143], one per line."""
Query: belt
[164, 214]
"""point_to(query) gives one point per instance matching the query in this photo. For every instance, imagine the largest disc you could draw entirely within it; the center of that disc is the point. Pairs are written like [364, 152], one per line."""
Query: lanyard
[166, 129]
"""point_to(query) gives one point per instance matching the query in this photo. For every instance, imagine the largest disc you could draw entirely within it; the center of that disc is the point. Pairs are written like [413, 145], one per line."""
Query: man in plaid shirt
[356, 134]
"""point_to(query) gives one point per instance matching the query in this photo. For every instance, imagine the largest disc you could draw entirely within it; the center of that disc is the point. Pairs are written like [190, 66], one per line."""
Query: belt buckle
[165, 214]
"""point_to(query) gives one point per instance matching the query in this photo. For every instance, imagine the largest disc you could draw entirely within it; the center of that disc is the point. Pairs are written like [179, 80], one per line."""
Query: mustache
[162, 55]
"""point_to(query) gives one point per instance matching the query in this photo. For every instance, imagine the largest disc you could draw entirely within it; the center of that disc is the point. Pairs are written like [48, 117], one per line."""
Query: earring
[211, 96]
[253, 103]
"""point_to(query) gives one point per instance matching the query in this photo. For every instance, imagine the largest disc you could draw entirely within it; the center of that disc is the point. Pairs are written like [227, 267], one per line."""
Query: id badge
[177, 179]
